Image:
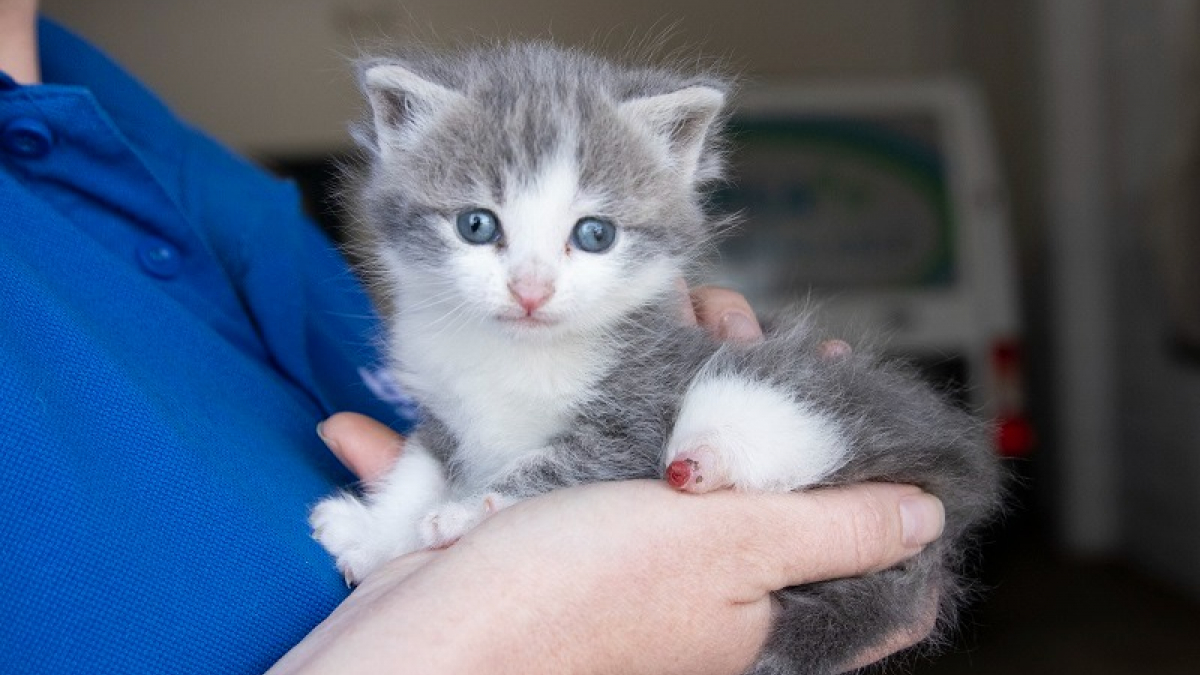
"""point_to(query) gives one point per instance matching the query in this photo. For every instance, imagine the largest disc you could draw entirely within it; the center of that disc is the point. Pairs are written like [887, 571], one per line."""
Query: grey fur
[523, 101]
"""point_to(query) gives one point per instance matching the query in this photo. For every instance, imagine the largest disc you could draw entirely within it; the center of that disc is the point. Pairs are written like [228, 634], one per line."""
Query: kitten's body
[541, 363]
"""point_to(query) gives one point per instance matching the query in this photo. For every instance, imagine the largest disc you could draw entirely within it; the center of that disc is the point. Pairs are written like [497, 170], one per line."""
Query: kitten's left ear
[403, 103]
[681, 120]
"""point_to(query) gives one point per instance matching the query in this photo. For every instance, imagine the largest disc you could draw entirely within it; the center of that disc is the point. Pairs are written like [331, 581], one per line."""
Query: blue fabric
[171, 330]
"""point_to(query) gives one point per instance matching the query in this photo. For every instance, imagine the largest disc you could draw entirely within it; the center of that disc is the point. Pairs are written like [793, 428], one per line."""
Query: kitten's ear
[681, 120]
[402, 103]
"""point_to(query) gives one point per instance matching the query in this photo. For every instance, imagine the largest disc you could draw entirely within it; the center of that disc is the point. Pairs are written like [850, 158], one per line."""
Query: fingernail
[738, 327]
[834, 349]
[922, 518]
[323, 437]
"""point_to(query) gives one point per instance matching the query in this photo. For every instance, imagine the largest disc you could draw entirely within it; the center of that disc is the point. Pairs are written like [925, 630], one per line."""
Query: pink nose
[531, 294]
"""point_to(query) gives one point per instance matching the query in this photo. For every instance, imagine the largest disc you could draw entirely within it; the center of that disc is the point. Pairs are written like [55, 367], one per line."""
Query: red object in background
[1014, 432]
[1014, 437]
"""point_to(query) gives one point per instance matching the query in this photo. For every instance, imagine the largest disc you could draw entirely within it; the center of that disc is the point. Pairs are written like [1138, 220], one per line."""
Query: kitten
[531, 210]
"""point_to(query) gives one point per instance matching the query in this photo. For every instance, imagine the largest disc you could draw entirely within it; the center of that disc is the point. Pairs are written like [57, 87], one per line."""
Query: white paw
[697, 466]
[447, 523]
[733, 431]
[345, 526]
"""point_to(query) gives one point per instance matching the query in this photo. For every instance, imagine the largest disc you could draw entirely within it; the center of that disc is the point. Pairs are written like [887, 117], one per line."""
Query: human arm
[614, 577]
[367, 448]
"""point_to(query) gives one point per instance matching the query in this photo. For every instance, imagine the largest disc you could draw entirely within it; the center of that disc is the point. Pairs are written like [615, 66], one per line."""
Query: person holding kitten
[173, 329]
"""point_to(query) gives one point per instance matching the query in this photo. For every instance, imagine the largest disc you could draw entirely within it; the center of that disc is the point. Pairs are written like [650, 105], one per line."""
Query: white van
[883, 206]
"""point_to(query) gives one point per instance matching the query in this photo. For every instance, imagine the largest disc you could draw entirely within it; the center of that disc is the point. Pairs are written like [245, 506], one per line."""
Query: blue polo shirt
[172, 327]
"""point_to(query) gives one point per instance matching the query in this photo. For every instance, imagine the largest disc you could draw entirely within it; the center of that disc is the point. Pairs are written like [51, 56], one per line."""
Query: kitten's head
[536, 190]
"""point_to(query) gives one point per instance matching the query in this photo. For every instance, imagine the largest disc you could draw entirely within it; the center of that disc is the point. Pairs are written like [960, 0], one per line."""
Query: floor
[1048, 615]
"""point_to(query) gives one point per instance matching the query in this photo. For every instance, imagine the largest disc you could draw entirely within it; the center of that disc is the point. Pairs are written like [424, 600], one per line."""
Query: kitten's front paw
[697, 468]
[447, 523]
[347, 529]
[736, 430]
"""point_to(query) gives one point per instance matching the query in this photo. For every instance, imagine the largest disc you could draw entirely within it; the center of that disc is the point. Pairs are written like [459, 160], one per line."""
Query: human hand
[723, 312]
[625, 577]
[364, 446]
[671, 590]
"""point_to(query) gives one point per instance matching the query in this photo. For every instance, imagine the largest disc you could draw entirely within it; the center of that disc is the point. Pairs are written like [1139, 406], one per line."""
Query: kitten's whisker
[451, 319]
[432, 301]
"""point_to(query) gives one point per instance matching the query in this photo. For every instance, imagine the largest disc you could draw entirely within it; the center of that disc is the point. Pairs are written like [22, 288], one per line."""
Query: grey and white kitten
[531, 211]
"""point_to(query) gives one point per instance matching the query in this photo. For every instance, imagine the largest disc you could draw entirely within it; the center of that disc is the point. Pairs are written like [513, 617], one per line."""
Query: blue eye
[478, 226]
[594, 235]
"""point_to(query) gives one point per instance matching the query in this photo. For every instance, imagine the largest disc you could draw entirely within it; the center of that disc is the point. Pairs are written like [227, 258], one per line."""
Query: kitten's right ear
[681, 120]
[403, 103]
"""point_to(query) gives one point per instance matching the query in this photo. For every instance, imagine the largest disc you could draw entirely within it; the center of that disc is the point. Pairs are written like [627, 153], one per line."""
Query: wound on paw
[679, 473]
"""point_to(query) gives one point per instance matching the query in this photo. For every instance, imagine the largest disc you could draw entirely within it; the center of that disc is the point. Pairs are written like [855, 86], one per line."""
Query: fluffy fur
[539, 364]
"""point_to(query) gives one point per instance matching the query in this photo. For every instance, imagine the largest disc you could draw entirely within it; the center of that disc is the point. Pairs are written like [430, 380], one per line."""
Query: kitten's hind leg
[736, 431]
[363, 533]
[836, 626]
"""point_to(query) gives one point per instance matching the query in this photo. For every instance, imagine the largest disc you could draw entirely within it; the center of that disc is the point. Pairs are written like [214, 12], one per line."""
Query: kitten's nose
[530, 294]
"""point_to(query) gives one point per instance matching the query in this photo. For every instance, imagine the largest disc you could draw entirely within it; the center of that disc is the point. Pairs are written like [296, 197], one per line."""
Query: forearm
[399, 622]
[544, 587]
[458, 616]
[461, 614]
[626, 577]
[403, 618]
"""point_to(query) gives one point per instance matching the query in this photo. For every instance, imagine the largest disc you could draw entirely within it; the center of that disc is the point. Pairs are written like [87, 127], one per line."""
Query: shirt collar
[148, 126]
[67, 59]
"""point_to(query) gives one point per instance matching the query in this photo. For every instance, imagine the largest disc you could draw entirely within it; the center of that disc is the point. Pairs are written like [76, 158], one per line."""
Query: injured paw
[736, 430]
[697, 470]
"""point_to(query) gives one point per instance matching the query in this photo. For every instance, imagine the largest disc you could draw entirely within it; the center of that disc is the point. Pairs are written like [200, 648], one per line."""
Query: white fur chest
[504, 399]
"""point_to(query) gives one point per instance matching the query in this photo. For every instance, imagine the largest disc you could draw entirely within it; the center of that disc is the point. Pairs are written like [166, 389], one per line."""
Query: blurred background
[1008, 191]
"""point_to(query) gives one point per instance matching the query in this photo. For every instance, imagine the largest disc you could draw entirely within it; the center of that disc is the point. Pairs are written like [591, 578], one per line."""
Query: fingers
[840, 532]
[365, 446]
[728, 316]
[834, 350]
[687, 312]
[725, 313]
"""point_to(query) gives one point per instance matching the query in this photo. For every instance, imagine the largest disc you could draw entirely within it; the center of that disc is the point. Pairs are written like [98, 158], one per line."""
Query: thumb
[367, 447]
[846, 531]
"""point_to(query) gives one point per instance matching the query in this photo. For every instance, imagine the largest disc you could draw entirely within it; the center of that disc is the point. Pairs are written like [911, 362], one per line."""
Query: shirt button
[159, 258]
[25, 137]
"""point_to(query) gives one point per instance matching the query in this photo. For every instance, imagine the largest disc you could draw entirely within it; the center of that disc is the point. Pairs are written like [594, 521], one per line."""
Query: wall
[1155, 73]
[272, 75]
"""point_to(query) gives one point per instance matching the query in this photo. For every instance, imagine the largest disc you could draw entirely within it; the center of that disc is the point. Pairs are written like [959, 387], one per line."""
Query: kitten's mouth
[526, 320]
